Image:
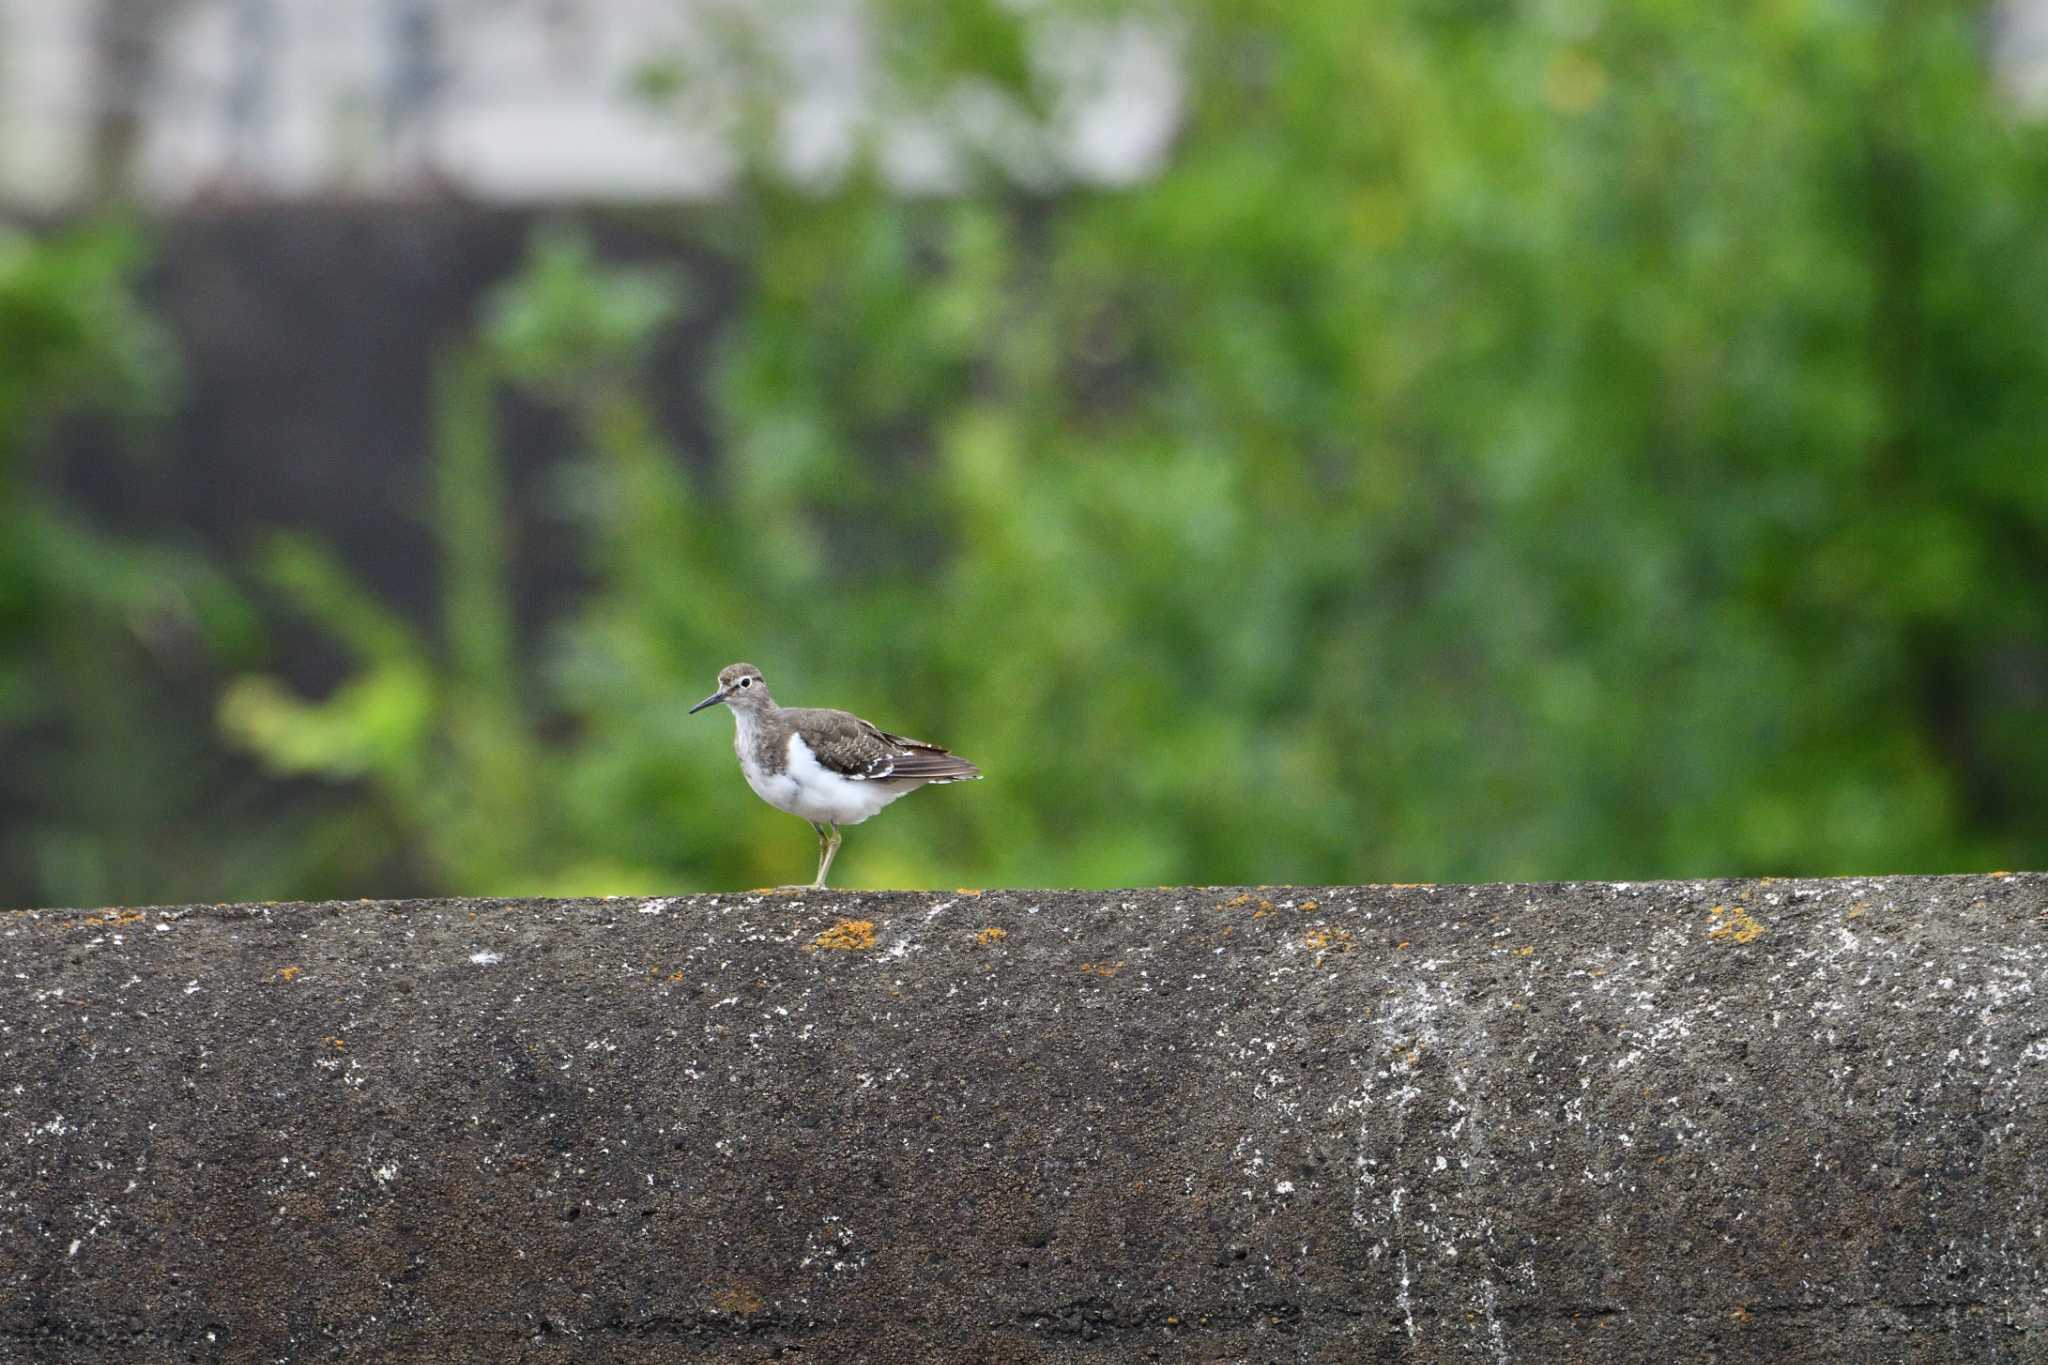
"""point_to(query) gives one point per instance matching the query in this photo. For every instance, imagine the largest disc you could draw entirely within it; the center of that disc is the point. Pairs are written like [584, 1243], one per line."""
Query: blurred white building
[551, 100]
[529, 100]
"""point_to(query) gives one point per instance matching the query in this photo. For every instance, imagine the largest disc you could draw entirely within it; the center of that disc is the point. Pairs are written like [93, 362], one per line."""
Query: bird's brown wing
[847, 745]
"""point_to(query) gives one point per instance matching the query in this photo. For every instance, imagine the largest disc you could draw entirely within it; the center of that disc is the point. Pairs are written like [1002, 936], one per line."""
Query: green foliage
[105, 643]
[1598, 445]
[445, 736]
[74, 332]
[1501, 442]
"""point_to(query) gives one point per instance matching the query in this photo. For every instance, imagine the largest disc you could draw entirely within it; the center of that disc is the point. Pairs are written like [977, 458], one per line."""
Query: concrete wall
[1783, 1121]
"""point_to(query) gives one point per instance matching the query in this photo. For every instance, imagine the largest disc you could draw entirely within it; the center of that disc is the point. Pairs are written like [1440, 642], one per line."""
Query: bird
[829, 768]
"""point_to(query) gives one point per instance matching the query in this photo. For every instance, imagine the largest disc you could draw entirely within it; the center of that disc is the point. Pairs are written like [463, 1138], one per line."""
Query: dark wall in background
[308, 335]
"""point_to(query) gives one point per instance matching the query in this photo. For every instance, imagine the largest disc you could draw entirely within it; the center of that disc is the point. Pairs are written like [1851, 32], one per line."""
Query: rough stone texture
[1769, 1121]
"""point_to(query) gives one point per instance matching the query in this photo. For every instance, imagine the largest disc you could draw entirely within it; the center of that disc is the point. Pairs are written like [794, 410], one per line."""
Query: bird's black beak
[712, 700]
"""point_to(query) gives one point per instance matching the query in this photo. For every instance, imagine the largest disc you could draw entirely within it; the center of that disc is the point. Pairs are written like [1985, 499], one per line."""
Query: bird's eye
[746, 682]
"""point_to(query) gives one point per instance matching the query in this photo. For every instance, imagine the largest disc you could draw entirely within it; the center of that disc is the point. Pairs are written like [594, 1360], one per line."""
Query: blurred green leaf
[566, 321]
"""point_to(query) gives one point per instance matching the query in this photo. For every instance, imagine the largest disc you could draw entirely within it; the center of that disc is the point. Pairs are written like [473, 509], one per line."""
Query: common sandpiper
[830, 768]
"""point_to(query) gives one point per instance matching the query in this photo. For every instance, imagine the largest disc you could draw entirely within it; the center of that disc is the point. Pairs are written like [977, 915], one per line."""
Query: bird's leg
[824, 856]
[826, 853]
[825, 850]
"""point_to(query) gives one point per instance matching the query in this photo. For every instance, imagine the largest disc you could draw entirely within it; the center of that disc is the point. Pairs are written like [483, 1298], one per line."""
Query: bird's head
[741, 687]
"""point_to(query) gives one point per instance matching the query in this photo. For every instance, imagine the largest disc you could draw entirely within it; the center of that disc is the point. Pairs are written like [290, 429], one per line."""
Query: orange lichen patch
[965, 891]
[1101, 968]
[1856, 911]
[290, 973]
[1309, 905]
[93, 921]
[1402, 944]
[1241, 898]
[1409, 886]
[738, 1300]
[1528, 950]
[1741, 1314]
[846, 936]
[675, 978]
[991, 935]
[337, 1044]
[2000, 876]
[1324, 940]
[1734, 923]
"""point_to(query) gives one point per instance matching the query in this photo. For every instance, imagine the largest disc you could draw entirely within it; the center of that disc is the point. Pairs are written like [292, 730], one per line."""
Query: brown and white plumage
[850, 746]
[828, 767]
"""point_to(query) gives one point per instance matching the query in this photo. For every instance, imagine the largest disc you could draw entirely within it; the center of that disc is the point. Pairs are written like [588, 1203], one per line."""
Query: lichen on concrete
[847, 936]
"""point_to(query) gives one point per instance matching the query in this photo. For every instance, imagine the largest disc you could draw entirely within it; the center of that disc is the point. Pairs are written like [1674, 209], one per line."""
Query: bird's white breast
[810, 791]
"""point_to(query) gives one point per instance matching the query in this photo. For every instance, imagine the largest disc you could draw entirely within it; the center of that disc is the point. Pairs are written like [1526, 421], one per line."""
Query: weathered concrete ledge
[1768, 1121]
